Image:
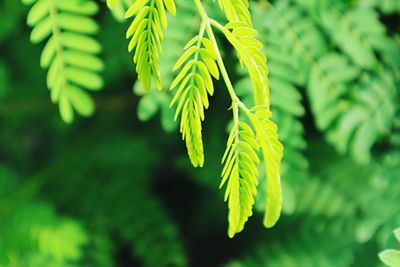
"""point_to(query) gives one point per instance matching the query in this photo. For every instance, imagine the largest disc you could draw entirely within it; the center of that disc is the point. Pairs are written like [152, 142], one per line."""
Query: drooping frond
[240, 173]
[146, 33]
[70, 54]
[193, 84]
[250, 53]
[154, 102]
[285, 75]
[272, 151]
[236, 10]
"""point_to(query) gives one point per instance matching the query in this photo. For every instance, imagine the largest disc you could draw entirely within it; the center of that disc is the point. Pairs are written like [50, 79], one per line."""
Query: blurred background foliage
[117, 189]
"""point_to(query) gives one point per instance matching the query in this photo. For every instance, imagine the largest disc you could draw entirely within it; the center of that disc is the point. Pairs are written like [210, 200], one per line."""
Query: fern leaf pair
[70, 54]
[272, 151]
[194, 84]
[146, 32]
[250, 53]
[240, 172]
[200, 62]
[155, 102]
[240, 167]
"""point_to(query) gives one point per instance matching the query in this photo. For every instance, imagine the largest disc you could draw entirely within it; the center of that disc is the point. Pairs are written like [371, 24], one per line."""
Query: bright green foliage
[391, 257]
[236, 10]
[333, 76]
[200, 61]
[150, 103]
[250, 53]
[240, 173]
[272, 150]
[70, 52]
[146, 33]
[193, 85]
[287, 108]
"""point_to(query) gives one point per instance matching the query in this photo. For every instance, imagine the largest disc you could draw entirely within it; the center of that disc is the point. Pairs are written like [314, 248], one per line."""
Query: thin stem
[201, 34]
[221, 65]
[200, 9]
[220, 61]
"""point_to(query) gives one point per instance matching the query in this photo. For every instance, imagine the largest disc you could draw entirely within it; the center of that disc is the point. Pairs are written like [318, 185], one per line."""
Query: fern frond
[286, 73]
[267, 141]
[193, 84]
[286, 108]
[240, 173]
[70, 52]
[250, 53]
[146, 33]
[151, 102]
[272, 151]
[236, 10]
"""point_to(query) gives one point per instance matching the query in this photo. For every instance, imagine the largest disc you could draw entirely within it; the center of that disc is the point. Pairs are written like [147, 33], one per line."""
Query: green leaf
[240, 174]
[390, 258]
[70, 54]
[193, 84]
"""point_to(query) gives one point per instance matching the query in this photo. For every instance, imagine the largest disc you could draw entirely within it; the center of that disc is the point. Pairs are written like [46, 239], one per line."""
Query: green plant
[123, 192]
[70, 52]
[200, 61]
